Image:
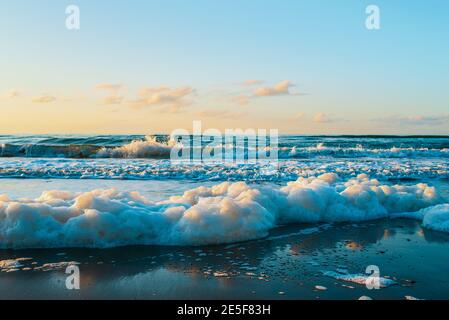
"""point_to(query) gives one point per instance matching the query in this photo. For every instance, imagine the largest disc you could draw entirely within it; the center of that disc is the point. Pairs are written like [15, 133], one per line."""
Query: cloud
[44, 99]
[170, 100]
[175, 98]
[414, 120]
[241, 99]
[113, 96]
[252, 82]
[12, 94]
[109, 100]
[282, 88]
[109, 86]
[321, 118]
[172, 109]
[299, 116]
[221, 114]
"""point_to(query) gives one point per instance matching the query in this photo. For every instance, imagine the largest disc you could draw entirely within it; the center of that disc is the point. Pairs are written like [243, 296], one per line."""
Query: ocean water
[108, 191]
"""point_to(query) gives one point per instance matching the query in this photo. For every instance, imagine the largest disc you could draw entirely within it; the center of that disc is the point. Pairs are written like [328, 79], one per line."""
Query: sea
[103, 191]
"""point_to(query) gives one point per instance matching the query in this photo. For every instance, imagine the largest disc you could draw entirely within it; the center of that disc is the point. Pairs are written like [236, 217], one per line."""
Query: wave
[160, 147]
[78, 149]
[148, 148]
[48, 151]
[360, 151]
[225, 213]
[161, 169]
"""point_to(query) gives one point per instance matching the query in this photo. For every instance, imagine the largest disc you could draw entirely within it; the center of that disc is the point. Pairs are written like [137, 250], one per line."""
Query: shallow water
[156, 190]
[291, 264]
[282, 171]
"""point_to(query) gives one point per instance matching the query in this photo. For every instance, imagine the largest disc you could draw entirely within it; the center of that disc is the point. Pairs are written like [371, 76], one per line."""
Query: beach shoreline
[289, 264]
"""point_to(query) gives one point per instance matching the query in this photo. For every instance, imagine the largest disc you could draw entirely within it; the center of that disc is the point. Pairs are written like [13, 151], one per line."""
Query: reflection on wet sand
[289, 260]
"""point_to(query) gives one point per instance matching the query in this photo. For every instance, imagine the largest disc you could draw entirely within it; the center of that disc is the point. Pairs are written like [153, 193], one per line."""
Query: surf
[221, 214]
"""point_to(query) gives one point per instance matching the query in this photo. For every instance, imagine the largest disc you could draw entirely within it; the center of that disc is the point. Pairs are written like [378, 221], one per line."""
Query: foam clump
[436, 218]
[359, 279]
[12, 264]
[148, 148]
[225, 213]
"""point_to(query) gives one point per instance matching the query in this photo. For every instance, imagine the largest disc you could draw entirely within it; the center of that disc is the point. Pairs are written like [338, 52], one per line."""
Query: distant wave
[159, 147]
[48, 151]
[225, 213]
[162, 169]
[360, 151]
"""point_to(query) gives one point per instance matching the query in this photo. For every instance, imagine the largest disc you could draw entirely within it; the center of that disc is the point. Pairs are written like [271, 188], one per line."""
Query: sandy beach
[289, 264]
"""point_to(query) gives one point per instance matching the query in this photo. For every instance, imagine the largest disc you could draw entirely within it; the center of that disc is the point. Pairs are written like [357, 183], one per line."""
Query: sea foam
[162, 169]
[225, 213]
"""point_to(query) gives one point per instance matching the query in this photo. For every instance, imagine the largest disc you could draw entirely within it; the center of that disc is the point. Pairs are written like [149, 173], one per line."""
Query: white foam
[12, 264]
[148, 148]
[225, 213]
[56, 266]
[359, 151]
[145, 169]
[436, 218]
[358, 278]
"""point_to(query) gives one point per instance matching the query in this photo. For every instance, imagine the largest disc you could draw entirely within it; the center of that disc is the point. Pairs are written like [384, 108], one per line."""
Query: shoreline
[287, 265]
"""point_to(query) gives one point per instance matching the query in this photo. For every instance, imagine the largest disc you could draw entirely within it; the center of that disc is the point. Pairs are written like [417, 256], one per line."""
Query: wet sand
[287, 265]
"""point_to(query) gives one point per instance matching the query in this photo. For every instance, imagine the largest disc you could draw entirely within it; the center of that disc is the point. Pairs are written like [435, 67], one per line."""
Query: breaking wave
[162, 169]
[148, 148]
[226, 213]
[159, 147]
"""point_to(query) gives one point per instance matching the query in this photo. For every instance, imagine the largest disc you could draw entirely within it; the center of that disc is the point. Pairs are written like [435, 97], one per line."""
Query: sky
[299, 66]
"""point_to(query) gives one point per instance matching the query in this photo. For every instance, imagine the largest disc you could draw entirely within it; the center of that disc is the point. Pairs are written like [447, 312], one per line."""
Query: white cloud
[321, 118]
[109, 86]
[252, 82]
[44, 99]
[113, 99]
[299, 116]
[12, 94]
[282, 88]
[222, 114]
[241, 99]
[175, 98]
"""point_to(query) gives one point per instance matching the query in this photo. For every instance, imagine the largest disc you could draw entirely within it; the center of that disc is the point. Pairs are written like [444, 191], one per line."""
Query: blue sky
[152, 66]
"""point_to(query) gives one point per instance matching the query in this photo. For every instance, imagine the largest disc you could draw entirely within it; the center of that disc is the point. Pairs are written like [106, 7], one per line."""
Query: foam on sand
[358, 278]
[225, 213]
[434, 218]
[12, 264]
